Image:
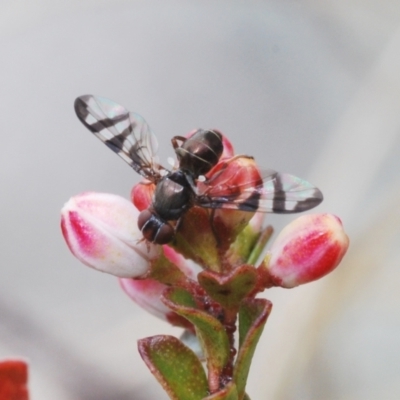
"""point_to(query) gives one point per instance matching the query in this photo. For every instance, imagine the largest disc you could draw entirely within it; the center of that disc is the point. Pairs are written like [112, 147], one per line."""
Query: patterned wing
[125, 133]
[270, 191]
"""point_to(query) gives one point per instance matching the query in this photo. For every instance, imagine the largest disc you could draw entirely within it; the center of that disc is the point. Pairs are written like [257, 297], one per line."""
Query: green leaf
[253, 314]
[209, 330]
[230, 289]
[229, 392]
[241, 248]
[178, 297]
[175, 367]
[164, 271]
[259, 246]
[195, 239]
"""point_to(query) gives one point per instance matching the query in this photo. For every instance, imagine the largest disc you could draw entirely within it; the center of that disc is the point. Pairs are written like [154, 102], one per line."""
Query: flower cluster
[208, 274]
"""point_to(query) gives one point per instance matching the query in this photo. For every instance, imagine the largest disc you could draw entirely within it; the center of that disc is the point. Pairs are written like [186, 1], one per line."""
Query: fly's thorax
[173, 196]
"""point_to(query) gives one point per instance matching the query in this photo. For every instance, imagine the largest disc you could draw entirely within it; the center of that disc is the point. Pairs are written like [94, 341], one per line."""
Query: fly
[176, 191]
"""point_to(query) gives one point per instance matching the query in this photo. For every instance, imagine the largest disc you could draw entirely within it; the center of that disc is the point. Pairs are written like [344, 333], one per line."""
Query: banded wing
[125, 133]
[270, 191]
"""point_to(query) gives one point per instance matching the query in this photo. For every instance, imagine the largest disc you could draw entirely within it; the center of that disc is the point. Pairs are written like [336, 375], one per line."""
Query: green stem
[260, 245]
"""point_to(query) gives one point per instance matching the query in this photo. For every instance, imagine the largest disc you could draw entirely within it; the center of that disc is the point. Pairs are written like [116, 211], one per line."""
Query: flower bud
[228, 151]
[147, 294]
[187, 266]
[101, 231]
[243, 175]
[142, 195]
[13, 379]
[307, 249]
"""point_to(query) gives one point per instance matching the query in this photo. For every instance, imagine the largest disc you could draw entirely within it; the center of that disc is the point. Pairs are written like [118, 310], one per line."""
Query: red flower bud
[307, 249]
[142, 194]
[13, 379]
[101, 231]
[228, 148]
[241, 173]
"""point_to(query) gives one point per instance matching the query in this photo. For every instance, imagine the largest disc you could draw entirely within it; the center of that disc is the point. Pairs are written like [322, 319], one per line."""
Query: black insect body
[176, 191]
[198, 154]
[172, 197]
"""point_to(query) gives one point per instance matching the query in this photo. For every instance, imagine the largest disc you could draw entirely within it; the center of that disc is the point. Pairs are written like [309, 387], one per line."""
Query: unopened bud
[101, 231]
[307, 249]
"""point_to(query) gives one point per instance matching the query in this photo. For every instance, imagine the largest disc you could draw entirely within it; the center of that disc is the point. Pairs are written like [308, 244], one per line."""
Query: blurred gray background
[307, 87]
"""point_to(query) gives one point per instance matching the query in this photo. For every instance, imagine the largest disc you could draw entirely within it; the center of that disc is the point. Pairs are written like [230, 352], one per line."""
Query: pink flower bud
[101, 231]
[188, 267]
[147, 294]
[307, 249]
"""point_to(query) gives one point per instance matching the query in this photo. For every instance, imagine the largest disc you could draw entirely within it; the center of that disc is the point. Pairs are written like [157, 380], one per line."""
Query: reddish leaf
[229, 290]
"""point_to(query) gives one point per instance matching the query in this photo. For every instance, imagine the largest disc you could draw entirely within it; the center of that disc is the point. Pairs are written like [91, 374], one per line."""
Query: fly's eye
[154, 229]
[144, 217]
[165, 234]
[148, 225]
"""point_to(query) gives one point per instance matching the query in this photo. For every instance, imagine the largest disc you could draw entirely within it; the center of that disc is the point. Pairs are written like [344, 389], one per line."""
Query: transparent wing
[125, 133]
[271, 191]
